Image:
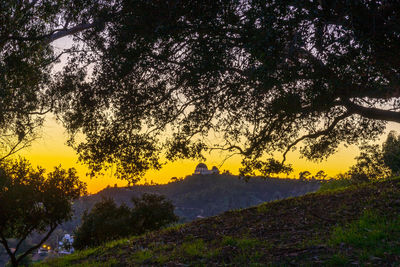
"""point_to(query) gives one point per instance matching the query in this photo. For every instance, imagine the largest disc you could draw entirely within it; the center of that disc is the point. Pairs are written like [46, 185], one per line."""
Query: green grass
[91, 263]
[142, 256]
[73, 259]
[335, 184]
[115, 243]
[195, 248]
[247, 250]
[243, 244]
[338, 260]
[372, 236]
[262, 208]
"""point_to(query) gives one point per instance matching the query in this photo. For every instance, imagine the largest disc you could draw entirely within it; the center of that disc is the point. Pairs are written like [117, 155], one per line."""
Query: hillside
[196, 195]
[357, 225]
[202, 195]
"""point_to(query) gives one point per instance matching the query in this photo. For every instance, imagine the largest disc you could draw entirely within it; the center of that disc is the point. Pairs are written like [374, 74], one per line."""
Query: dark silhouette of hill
[199, 196]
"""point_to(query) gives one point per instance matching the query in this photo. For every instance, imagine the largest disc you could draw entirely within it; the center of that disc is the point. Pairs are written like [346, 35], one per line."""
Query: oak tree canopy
[32, 202]
[148, 79]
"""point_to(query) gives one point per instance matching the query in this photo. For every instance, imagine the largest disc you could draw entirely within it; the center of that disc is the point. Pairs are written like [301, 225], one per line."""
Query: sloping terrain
[200, 195]
[357, 225]
[196, 195]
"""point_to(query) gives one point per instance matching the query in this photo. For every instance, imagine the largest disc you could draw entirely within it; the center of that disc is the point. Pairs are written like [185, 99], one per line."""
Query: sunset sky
[51, 150]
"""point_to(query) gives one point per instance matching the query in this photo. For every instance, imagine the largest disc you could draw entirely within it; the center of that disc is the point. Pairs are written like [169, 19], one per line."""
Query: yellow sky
[50, 150]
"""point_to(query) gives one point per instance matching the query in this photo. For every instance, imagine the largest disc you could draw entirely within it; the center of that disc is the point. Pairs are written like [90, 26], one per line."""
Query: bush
[151, 212]
[106, 221]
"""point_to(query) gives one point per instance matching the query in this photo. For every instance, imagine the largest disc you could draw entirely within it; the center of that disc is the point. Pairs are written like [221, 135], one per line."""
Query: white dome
[201, 168]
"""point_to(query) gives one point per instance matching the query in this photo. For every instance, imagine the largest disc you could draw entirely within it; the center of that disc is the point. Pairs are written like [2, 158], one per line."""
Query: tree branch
[13, 150]
[372, 113]
[66, 32]
[316, 134]
[55, 34]
[30, 229]
[52, 228]
[3, 241]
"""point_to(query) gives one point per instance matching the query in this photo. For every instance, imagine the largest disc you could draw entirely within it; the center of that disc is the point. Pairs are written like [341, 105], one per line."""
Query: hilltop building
[202, 169]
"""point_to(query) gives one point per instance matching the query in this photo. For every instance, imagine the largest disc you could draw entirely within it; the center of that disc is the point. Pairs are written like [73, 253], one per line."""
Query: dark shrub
[151, 212]
[106, 221]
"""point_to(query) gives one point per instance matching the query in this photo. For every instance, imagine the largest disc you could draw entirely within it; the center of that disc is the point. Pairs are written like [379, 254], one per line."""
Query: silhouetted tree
[370, 165]
[269, 76]
[106, 221]
[321, 175]
[391, 152]
[31, 202]
[151, 212]
[304, 175]
[27, 59]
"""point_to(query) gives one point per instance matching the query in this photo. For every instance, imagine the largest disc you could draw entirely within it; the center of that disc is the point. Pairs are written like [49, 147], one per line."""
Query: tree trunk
[14, 261]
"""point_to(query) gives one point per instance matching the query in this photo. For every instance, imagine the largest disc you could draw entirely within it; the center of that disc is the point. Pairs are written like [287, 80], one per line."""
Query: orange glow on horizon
[50, 151]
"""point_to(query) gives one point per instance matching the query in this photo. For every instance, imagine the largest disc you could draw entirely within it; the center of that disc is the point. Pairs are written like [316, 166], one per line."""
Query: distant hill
[355, 226]
[199, 196]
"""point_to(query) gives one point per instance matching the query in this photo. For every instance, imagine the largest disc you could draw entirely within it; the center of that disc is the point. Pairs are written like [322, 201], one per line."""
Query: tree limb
[372, 113]
[52, 228]
[30, 229]
[316, 134]
[3, 241]
[70, 31]
[13, 150]
[55, 34]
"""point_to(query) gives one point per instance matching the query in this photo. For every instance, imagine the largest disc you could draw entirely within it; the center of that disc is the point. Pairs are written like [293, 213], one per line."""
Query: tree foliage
[391, 152]
[266, 76]
[26, 61]
[106, 221]
[374, 162]
[151, 212]
[31, 202]
[370, 165]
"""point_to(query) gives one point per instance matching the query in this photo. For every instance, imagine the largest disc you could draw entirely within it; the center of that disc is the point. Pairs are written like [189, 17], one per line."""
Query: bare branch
[52, 228]
[13, 150]
[30, 229]
[70, 31]
[3, 241]
[316, 134]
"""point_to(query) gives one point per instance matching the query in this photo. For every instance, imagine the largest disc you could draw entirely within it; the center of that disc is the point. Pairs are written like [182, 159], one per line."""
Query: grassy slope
[357, 225]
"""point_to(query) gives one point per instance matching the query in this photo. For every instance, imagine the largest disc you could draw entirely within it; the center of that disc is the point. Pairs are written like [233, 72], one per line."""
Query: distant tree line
[373, 163]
